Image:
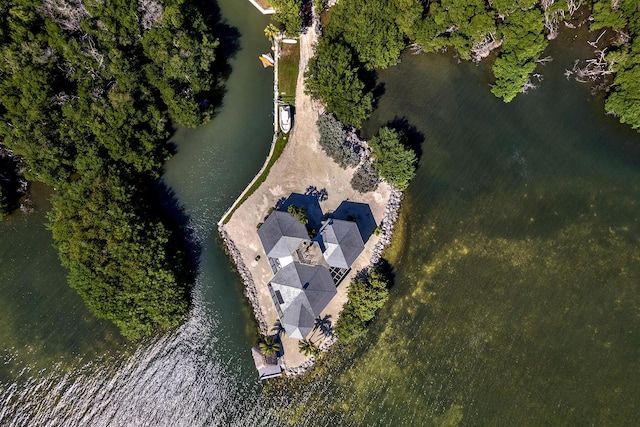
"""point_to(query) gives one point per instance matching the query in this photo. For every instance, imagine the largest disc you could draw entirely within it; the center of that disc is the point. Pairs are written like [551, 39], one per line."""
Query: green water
[517, 258]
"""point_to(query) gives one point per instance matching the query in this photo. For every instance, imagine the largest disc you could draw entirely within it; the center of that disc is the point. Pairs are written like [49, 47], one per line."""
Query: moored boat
[284, 114]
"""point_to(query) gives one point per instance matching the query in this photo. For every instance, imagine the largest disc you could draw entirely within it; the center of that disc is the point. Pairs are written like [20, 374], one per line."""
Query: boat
[266, 59]
[284, 113]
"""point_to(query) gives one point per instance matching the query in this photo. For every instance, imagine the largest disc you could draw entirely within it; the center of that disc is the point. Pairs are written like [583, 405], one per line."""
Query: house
[340, 242]
[268, 367]
[281, 234]
[306, 271]
[300, 292]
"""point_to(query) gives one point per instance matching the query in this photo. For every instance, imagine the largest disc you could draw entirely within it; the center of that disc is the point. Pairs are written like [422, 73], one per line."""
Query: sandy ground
[302, 164]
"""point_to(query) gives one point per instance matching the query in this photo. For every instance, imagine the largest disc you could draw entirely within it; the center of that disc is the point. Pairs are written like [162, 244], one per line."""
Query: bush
[333, 75]
[365, 179]
[332, 141]
[288, 13]
[349, 326]
[366, 297]
[298, 213]
[393, 161]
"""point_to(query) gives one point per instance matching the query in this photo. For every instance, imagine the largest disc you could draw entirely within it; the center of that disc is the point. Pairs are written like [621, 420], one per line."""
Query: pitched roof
[341, 242]
[305, 290]
[267, 367]
[281, 234]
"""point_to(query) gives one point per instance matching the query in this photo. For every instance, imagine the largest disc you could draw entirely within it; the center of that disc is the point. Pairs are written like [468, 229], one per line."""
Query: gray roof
[306, 290]
[267, 367]
[281, 234]
[341, 242]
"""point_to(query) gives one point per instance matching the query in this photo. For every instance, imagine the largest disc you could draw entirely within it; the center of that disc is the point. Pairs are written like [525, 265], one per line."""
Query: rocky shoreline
[250, 290]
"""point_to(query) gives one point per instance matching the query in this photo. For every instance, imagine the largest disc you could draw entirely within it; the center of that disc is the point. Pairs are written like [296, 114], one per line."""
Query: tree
[308, 348]
[85, 87]
[298, 213]
[524, 41]
[333, 141]
[333, 76]
[349, 326]
[368, 295]
[324, 325]
[269, 346]
[364, 179]
[289, 14]
[392, 159]
[375, 29]
[271, 32]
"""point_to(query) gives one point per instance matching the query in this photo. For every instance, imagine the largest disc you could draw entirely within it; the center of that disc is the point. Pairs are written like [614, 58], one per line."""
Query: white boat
[284, 113]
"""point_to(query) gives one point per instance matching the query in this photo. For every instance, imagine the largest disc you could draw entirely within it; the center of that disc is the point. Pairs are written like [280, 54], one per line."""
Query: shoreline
[302, 165]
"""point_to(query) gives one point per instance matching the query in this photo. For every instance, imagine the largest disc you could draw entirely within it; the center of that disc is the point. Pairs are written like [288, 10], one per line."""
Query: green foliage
[333, 76]
[523, 44]
[308, 348]
[455, 23]
[507, 7]
[269, 346]
[392, 159]
[332, 140]
[366, 297]
[375, 29]
[349, 326]
[606, 17]
[298, 213]
[85, 97]
[119, 258]
[289, 14]
[364, 179]
[624, 94]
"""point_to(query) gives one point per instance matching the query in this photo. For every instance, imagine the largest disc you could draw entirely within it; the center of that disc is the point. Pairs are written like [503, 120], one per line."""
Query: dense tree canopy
[85, 90]
[366, 296]
[624, 94]
[524, 41]
[392, 159]
[289, 15]
[334, 76]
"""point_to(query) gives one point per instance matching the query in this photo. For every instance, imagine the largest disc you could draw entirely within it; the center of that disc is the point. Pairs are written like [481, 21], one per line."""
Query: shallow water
[517, 288]
[517, 270]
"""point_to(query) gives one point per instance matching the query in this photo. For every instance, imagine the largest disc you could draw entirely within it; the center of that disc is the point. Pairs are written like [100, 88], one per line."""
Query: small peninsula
[305, 174]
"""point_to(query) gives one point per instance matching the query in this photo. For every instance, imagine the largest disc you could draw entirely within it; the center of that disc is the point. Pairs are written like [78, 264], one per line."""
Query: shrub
[332, 140]
[365, 179]
[366, 297]
[299, 213]
[288, 13]
[333, 75]
[349, 326]
[393, 160]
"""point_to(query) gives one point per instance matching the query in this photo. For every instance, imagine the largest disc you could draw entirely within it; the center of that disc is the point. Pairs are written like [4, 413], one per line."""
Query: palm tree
[269, 346]
[271, 32]
[307, 347]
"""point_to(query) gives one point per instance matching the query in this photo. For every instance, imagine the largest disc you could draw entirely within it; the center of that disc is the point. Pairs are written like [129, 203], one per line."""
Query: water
[517, 271]
[63, 367]
[517, 257]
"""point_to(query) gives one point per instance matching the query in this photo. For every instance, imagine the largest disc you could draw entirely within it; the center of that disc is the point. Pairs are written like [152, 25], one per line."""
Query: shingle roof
[341, 242]
[306, 290]
[281, 234]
